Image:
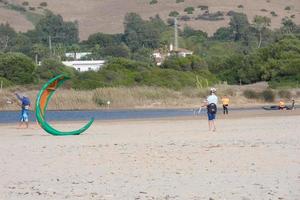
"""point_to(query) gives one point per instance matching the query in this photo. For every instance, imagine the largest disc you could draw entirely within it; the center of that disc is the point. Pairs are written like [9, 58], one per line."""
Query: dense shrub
[43, 4]
[184, 18]
[189, 10]
[17, 7]
[268, 95]
[17, 68]
[5, 82]
[153, 2]
[211, 16]
[124, 72]
[203, 7]
[284, 94]
[189, 63]
[98, 99]
[51, 68]
[287, 8]
[173, 14]
[25, 3]
[250, 94]
[273, 13]
[179, 1]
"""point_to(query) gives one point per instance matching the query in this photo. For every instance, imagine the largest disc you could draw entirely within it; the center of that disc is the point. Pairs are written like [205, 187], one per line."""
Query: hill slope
[107, 15]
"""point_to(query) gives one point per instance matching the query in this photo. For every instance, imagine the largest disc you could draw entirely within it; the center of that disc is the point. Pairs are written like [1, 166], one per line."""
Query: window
[89, 68]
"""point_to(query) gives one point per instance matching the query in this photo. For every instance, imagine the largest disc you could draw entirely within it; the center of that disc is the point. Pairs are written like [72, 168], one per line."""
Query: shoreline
[240, 114]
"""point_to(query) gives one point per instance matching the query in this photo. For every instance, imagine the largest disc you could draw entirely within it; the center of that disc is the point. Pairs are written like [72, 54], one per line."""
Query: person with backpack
[25, 105]
[211, 105]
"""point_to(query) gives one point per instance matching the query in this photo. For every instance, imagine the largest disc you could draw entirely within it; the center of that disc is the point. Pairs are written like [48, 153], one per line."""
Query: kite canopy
[42, 101]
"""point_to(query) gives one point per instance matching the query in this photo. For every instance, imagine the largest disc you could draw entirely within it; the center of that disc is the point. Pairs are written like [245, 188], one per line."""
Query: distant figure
[293, 104]
[281, 105]
[211, 105]
[25, 105]
[225, 102]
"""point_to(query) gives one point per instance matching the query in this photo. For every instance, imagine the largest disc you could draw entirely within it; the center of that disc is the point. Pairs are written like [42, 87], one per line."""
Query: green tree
[288, 26]
[7, 36]
[239, 24]
[40, 51]
[260, 24]
[51, 68]
[189, 63]
[103, 39]
[141, 34]
[116, 51]
[54, 26]
[224, 34]
[17, 68]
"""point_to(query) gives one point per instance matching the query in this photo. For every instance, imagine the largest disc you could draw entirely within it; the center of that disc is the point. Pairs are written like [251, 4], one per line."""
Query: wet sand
[253, 155]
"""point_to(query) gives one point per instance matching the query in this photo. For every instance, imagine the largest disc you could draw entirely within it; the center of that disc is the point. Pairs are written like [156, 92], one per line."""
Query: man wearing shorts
[25, 104]
[211, 105]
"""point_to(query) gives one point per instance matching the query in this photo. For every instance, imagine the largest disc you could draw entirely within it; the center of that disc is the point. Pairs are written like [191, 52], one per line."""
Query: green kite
[42, 101]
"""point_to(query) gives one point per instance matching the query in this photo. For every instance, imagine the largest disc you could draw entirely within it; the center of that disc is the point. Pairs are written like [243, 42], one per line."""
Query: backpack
[212, 108]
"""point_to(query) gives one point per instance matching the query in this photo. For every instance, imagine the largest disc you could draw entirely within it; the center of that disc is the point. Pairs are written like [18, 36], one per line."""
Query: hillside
[107, 15]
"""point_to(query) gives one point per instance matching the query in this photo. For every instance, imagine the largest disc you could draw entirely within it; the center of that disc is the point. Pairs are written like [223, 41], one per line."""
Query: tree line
[244, 52]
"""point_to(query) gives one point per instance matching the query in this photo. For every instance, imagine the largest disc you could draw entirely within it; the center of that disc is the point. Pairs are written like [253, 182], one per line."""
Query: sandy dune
[247, 158]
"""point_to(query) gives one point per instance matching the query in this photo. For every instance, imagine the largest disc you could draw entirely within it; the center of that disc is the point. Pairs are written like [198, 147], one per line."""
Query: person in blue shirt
[25, 105]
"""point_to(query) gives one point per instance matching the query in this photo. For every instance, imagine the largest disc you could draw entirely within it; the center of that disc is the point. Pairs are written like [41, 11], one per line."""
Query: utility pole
[50, 44]
[175, 34]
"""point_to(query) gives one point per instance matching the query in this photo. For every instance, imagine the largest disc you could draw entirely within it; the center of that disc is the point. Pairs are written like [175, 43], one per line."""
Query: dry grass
[107, 15]
[136, 97]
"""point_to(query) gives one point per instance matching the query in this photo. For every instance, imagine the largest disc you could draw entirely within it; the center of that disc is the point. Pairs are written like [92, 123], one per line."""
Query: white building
[78, 55]
[85, 65]
[183, 52]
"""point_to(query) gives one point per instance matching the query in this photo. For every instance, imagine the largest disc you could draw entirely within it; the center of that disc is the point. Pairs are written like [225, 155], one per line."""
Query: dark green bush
[284, 94]
[153, 2]
[251, 94]
[184, 18]
[25, 3]
[287, 8]
[173, 14]
[189, 10]
[273, 13]
[179, 1]
[17, 68]
[268, 95]
[43, 4]
[203, 7]
[5, 82]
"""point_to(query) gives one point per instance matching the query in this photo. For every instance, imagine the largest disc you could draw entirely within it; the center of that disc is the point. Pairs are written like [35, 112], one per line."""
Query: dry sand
[251, 156]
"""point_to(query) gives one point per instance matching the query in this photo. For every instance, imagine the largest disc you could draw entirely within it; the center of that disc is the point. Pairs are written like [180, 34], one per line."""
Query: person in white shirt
[211, 105]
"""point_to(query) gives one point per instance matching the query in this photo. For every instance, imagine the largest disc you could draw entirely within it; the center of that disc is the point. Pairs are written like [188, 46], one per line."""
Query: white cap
[213, 90]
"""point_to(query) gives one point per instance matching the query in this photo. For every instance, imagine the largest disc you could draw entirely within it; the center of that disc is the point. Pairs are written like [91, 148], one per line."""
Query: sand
[249, 157]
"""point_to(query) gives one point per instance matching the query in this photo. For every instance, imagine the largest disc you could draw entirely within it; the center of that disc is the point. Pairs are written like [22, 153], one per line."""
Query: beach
[252, 155]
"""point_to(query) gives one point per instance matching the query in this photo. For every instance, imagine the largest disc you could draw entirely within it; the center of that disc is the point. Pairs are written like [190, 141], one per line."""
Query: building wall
[86, 65]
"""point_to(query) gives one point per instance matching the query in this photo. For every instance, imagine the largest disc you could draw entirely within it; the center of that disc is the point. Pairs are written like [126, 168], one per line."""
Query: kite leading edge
[42, 101]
